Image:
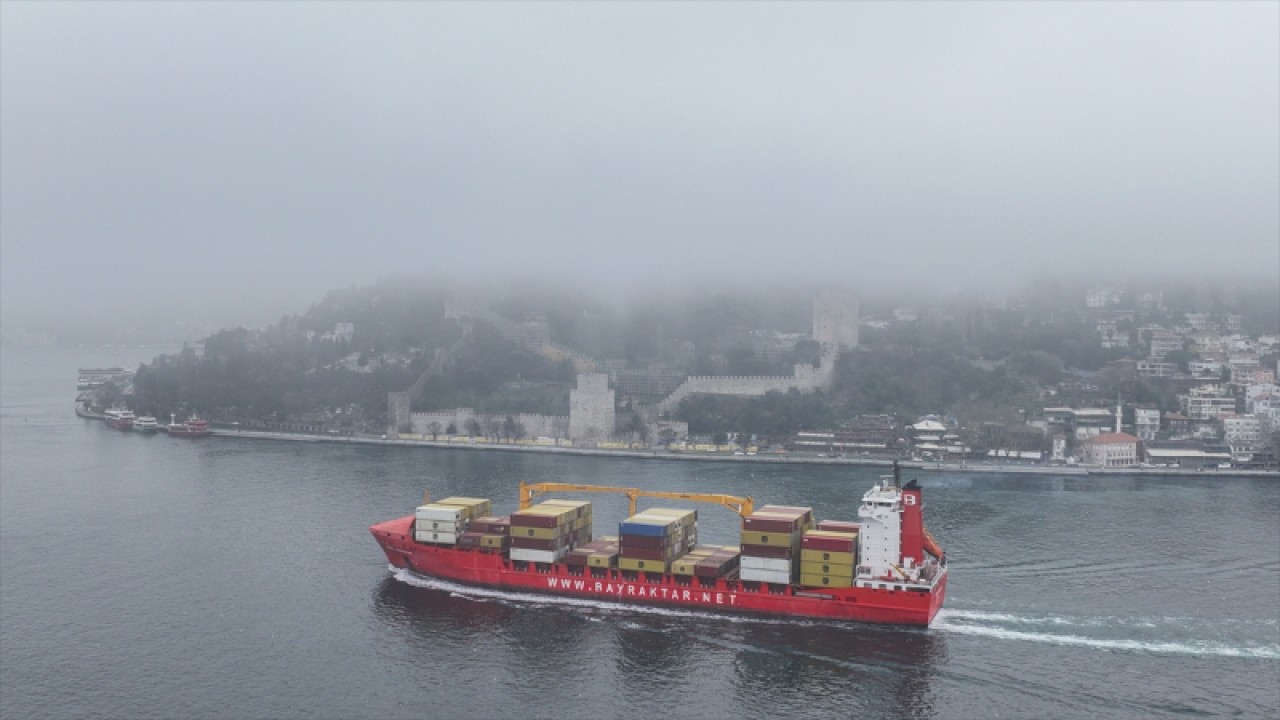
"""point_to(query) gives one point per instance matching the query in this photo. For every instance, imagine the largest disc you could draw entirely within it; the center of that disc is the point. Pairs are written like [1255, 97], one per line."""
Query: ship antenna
[897, 474]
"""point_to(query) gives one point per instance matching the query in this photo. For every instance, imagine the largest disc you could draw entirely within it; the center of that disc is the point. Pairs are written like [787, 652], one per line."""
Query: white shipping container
[542, 556]
[768, 576]
[428, 536]
[750, 562]
[451, 513]
[421, 524]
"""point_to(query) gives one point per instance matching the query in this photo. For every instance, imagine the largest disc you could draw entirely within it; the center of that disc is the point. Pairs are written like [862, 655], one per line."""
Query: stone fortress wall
[592, 416]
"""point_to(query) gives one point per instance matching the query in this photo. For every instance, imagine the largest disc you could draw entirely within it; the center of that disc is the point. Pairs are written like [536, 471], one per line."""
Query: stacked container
[649, 543]
[771, 539]
[445, 520]
[709, 561]
[721, 563]
[828, 559]
[686, 528]
[488, 534]
[547, 531]
[601, 553]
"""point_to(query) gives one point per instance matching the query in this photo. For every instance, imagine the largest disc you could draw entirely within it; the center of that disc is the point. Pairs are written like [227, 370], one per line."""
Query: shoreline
[930, 467]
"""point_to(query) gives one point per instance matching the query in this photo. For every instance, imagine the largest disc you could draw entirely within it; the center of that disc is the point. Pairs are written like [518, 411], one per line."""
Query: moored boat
[192, 427]
[146, 424]
[119, 418]
[884, 568]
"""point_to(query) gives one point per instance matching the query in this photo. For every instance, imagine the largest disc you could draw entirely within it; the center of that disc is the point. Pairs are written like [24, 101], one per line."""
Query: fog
[227, 163]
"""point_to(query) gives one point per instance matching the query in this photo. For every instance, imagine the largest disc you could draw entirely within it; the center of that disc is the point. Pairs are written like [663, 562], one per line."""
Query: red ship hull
[492, 570]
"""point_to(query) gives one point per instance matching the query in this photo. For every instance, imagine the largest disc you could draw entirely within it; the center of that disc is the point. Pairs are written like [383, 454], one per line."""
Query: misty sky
[251, 156]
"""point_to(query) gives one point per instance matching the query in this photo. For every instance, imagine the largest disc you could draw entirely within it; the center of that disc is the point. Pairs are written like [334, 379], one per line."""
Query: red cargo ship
[896, 574]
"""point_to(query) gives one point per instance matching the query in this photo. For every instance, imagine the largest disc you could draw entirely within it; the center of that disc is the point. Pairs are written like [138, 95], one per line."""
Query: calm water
[150, 577]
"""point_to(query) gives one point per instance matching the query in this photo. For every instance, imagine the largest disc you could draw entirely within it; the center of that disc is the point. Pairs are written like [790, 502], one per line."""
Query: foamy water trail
[1055, 632]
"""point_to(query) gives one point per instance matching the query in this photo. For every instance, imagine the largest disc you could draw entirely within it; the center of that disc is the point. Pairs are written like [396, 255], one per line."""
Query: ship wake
[1253, 639]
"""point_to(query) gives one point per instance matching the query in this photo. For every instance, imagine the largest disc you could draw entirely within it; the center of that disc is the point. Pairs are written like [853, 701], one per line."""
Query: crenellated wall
[555, 426]
[805, 379]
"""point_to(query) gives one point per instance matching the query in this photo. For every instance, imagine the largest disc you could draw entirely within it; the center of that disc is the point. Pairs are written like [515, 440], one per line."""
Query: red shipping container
[643, 553]
[839, 526]
[577, 558]
[767, 551]
[828, 543]
[536, 544]
[644, 541]
[758, 522]
[522, 519]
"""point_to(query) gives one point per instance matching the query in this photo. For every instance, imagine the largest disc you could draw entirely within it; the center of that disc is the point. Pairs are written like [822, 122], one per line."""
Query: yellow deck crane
[744, 506]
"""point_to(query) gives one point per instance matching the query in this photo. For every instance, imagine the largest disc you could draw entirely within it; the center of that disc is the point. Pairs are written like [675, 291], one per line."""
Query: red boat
[896, 573]
[193, 427]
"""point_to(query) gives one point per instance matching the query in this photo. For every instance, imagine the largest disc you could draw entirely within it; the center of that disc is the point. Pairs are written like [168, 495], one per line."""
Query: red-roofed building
[1112, 450]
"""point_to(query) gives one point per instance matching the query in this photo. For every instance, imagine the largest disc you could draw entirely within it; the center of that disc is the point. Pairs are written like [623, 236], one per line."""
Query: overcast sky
[250, 156]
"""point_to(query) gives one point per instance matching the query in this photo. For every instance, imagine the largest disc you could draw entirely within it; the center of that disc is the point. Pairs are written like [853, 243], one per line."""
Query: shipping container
[529, 518]
[769, 551]
[441, 538]
[491, 525]
[471, 507]
[577, 558]
[772, 564]
[772, 539]
[839, 526]
[537, 544]
[650, 525]
[645, 553]
[539, 533]
[827, 540]
[495, 541]
[439, 525]
[646, 541]
[805, 514]
[767, 576]
[434, 511]
[831, 558]
[603, 558]
[817, 568]
[827, 581]
[770, 522]
[541, 556]
[649, 566]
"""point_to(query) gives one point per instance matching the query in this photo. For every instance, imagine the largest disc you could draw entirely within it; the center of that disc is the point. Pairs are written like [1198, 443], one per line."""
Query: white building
[1146, 422]
[1111, 450]
[1246, 432]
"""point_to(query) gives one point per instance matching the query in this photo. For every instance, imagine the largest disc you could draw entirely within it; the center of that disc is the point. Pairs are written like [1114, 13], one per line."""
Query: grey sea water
[152, 577]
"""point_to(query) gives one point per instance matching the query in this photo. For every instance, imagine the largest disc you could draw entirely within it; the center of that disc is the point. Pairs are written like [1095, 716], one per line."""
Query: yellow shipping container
[825, 581]
[770, 539]
[826, 556]
[494, 541]
[603, 559]
[472, 507]
[686, 563]
[652, 566]
[814, 568]
[554, 533]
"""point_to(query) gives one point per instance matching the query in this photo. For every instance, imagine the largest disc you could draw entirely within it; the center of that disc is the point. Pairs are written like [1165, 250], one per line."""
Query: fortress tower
[835, 322]
[591, 409]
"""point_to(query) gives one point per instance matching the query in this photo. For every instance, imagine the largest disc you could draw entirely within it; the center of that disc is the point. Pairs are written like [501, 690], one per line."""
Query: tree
[451, 430]
[509, 428]
[434, 427]
[473, 427]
